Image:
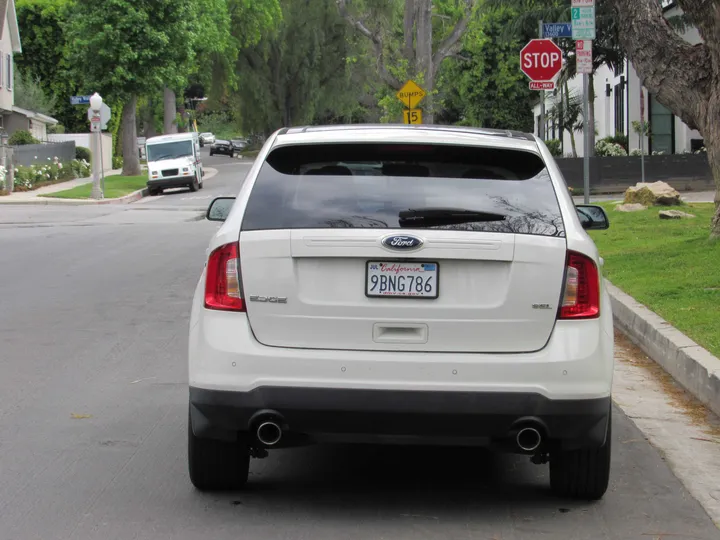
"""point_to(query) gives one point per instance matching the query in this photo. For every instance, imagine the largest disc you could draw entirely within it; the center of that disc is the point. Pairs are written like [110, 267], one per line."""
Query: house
[34, 122]
[618, 105]
[9, 45]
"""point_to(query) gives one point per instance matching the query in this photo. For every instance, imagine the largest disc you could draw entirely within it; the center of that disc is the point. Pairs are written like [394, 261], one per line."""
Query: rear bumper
[366, 416]
[172, 182]
[226, 151]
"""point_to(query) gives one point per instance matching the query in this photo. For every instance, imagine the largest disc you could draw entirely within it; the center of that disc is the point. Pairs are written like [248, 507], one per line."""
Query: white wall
[6, 95]
[83, 139]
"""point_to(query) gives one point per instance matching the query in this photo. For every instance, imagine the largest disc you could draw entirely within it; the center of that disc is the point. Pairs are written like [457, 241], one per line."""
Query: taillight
[223, 289]
[581, 299]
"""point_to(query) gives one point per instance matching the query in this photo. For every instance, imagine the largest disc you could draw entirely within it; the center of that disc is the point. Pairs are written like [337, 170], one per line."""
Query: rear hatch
[433, 248]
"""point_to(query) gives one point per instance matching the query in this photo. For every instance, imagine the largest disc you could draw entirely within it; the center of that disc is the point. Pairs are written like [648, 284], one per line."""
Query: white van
[174, 161]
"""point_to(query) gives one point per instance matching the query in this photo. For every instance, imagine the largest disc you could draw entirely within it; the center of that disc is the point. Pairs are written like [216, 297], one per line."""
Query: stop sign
[541, 60]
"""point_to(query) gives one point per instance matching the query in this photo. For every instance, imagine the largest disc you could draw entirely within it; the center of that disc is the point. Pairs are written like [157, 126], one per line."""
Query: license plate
[402, 279]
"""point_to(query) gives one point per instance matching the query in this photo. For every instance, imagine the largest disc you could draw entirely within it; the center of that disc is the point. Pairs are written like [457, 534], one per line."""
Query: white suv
[402, 284]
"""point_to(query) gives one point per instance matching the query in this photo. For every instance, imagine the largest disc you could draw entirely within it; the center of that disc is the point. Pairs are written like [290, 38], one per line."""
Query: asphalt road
[230, 175]
[94, 305]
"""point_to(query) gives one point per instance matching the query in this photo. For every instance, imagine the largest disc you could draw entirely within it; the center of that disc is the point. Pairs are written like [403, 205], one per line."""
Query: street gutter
[695, 368]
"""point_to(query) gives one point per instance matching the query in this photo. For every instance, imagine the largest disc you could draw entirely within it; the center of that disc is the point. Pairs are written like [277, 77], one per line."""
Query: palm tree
[606, 46]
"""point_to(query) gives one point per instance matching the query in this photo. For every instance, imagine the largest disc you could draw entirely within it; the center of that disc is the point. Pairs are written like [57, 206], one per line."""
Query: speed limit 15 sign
[541, 60]
[413, 116]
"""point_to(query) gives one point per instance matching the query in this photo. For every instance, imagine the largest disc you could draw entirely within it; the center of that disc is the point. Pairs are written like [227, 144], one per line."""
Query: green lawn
[670, 266]
[115, 186]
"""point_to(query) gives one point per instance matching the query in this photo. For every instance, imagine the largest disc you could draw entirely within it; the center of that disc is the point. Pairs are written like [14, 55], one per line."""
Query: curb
[51, 201]
[695, 368]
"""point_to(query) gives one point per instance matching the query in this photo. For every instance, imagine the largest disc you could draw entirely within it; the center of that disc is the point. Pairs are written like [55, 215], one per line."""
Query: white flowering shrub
[605, 148]
[27, 178]
[636, 152]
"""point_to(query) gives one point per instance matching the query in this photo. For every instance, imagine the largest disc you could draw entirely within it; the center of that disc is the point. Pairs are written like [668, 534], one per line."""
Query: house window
[619, 109]
[10, 72]
[662, 128]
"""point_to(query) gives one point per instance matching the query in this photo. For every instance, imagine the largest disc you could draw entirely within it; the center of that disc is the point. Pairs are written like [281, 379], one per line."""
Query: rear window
[391, 186]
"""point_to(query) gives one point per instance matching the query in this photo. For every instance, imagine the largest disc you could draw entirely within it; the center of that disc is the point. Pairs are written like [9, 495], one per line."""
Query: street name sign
[583, 22]
[557, 30]
[79, 100]
[582, 3]
[583, 56]
[542, 85]
[410, 94]
[412, 116]
[541, 60]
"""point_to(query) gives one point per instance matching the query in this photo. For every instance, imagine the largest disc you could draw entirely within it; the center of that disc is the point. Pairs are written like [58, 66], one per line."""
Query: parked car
[239, 144]
[221, 146]
[173, 161]
[448, 293]
[207, 138]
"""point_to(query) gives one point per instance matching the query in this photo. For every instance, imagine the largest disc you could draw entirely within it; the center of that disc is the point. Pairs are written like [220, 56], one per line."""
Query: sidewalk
[34, 197]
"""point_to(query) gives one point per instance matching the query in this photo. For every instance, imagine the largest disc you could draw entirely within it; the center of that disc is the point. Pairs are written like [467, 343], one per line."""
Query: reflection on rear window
[404, 186]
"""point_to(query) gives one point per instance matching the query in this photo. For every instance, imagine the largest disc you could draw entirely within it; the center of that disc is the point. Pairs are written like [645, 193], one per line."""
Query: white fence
[83, 139]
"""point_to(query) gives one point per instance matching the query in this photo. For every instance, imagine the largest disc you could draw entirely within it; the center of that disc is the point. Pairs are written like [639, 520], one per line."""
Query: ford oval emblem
[402, 242]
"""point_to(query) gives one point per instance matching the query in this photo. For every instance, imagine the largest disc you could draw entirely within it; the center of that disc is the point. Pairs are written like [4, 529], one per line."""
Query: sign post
[583, 32]
[642, 134]
[411, 95]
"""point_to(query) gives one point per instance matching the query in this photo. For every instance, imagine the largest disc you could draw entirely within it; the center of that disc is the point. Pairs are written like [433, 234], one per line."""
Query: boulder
[653, 194]
[633, 207]
[674, 214]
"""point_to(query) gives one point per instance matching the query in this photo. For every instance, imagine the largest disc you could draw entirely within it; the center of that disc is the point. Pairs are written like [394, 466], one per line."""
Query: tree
[30, 95]
[485, 86]
[297, 72]
[423, 48]
[683, 77]
[127, 48]
[44, 57]
[567, 112]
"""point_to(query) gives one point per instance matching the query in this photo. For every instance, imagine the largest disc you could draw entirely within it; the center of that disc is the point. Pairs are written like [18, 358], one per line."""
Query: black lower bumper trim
[356, 415]
[168, 183]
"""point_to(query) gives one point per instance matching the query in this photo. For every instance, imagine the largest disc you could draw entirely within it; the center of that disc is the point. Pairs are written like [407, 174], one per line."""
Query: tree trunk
[591, 113]
[712, 144]
[131, 158]
[409, 31]
[169, 111]
[571, 129]
[424, 55]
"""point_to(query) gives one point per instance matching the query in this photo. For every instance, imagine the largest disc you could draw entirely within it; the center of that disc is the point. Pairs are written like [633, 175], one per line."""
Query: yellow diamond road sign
[411, 94]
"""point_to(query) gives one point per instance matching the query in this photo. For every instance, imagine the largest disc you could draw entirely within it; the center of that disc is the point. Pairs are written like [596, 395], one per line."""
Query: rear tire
[217, 465]
[212, 153]
[232, 154]
[584, 473]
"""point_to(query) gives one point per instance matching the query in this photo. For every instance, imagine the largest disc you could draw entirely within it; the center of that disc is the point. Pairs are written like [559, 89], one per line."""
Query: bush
[22, 137]
[555, 147]
[620, 139]
[604, 148]
[27, 178]
[82, 153]
[117, 162]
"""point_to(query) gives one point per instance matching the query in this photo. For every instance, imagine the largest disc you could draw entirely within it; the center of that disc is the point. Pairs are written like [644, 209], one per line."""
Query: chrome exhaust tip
[528, 439]
[269, 433]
